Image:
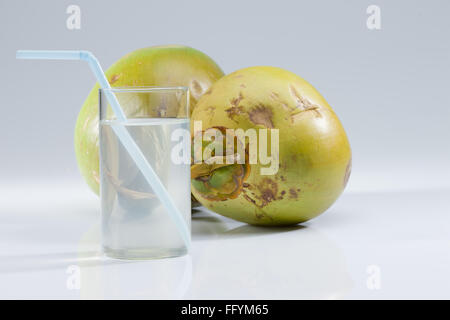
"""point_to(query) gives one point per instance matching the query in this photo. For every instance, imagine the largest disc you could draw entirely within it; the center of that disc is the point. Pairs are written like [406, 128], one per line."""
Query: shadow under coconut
[206, 224]
[249, 230]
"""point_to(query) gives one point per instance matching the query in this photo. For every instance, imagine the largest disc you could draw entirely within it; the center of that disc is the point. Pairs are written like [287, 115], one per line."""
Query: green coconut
[154, 66]
[314, 152]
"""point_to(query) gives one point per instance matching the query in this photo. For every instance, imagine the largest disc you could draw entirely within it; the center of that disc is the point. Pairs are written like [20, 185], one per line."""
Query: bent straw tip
[56, 55]
[21, 54]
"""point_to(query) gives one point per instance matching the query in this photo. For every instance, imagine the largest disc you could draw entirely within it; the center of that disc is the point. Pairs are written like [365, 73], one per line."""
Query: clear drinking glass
[135, 224]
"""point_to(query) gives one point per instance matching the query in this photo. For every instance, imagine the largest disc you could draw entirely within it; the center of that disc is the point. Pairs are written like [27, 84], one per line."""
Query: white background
[389, 88]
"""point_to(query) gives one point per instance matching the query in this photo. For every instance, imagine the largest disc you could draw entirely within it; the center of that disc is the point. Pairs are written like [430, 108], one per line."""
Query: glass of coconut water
[135, 224]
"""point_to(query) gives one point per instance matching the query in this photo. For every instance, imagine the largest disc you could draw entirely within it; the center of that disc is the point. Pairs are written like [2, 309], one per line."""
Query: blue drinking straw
[121, 132]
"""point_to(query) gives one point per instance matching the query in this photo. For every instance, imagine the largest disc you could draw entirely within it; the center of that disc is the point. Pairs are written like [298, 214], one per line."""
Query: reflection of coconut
[122, 180]
[112, 279]
[256, 263]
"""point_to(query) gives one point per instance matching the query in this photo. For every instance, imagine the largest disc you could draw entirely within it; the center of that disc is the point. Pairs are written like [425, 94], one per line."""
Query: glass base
[144, 254]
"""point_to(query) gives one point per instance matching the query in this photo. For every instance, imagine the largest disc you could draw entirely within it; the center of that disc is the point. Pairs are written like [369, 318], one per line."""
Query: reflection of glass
[135, 224]
[119, 279]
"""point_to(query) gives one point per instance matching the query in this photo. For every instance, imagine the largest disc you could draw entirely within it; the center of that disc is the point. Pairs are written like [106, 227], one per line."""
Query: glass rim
[146, 89]
[180, 91]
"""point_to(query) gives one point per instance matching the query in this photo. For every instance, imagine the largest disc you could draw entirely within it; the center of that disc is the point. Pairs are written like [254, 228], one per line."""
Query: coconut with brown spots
[314, 152]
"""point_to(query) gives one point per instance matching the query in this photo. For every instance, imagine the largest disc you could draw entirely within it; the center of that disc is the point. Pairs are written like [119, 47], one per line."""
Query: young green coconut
[313, 160]
[171, 65]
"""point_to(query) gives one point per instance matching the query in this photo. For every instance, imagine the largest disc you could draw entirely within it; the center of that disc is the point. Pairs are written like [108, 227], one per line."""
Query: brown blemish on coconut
[348, 171]
[293, 194]
[235, 101]
[114, 78]
[235, 109]
[233, 112]
[302, 105]
[297, 115]
[246, 197]
[196, 89]
[261, 115]
[243, 85]
[298, 99]
[268, 190]
[267, 195]
[259, 216]
[210, 111]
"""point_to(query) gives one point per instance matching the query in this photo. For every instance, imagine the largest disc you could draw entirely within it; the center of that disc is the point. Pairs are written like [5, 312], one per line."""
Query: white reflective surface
[368, 245]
